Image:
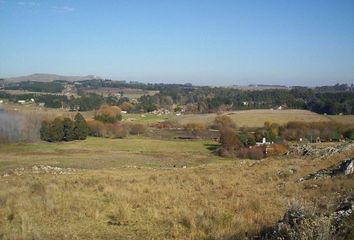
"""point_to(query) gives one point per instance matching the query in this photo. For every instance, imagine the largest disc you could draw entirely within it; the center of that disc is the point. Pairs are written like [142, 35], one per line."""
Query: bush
[276, 149]
[137, 129]
[108, 114]
[167, 124]
[229, 140]
[64, 129]
[247, 139]
[251, 153]
[80, 127]
[109, 130]
[126, 106]
[327, 131]
[195, 128]
[223, 121]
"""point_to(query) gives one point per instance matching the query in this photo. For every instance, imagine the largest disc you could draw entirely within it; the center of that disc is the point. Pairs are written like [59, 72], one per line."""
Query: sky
[204, 42]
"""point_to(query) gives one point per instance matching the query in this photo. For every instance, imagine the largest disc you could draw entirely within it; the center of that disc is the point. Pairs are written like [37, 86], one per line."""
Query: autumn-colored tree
[229, 140]
[108, 114]
[251, 153]
[195, 128]
[223, 121]
[137, 129]
[127, 106]
[109, 130]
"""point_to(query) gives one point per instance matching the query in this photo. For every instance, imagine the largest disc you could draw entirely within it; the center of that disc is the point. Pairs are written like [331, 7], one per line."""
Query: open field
[345, 119]
[99, 153]
[136, 188]
[145, 118]
[42, 111]
[256, 118]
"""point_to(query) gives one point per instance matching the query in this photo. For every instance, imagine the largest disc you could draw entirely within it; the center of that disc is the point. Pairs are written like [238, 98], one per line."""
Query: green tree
[57, 130]
[80, 127]
[45, 130]
[68, 128]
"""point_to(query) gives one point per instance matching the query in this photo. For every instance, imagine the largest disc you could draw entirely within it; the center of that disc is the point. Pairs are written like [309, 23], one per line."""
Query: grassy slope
[218, 199]
[106, 153]
[144, 118]
[256, 118]
[346, 119]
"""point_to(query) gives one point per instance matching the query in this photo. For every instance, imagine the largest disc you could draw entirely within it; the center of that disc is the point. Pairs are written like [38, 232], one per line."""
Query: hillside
[255, 118]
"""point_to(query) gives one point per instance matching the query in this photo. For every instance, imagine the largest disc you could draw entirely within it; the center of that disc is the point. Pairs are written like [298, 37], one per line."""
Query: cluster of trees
[64, 129]
[329, 99]
[107, 123]
[108, 130]
[242, 143]
[235, 144]
[50, 87]
[293, 131]
[49, 100]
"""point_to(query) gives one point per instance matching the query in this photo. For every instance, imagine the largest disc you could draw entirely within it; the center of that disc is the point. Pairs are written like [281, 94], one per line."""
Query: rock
[293, 216]
[308, 150]
[296, 223]
[346, 167]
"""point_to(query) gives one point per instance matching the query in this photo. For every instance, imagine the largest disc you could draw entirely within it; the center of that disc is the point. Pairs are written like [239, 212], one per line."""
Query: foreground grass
[212, 198]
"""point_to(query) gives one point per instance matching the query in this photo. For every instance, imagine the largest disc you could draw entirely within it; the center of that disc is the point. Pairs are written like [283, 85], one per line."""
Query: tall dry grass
[221, 200]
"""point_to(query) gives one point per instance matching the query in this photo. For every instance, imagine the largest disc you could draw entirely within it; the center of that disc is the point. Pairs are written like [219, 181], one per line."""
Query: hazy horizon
[308, 43]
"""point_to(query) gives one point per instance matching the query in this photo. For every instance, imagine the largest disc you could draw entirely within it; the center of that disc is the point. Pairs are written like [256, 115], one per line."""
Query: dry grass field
[345, 119]
[137, 188]
[256, 118]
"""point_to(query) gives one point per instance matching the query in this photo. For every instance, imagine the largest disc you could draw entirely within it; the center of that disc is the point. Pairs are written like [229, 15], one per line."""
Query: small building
[264, 142]
[21, 101]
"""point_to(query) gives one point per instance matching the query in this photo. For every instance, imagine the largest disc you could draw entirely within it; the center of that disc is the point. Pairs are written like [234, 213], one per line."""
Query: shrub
[251, 153]
[223, 121]
[137, 129]
[276, 149]
[109, 130]
[80, 127]
[229, 140]
[126, 106]
[64, 129]
[197, 128]
[108, 114]
[167, 124]
[68, 128]
[247, 139]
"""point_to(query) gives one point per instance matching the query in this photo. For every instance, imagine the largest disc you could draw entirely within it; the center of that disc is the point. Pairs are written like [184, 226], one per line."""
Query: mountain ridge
[46, 77]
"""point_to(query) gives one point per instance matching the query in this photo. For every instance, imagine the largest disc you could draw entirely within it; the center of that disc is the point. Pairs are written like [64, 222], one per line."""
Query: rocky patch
[308, 150]
[346, 167]
[298, 224]
[40, 169]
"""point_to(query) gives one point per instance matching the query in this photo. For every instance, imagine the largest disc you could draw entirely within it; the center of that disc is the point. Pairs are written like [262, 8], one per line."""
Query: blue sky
[215, 42]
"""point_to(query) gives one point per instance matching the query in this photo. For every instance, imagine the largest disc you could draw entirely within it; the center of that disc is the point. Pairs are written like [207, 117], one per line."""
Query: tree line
[64, 129]
[204, 99]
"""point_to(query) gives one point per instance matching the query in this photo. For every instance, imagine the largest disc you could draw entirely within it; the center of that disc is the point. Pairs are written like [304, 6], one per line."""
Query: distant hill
[43, 77]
